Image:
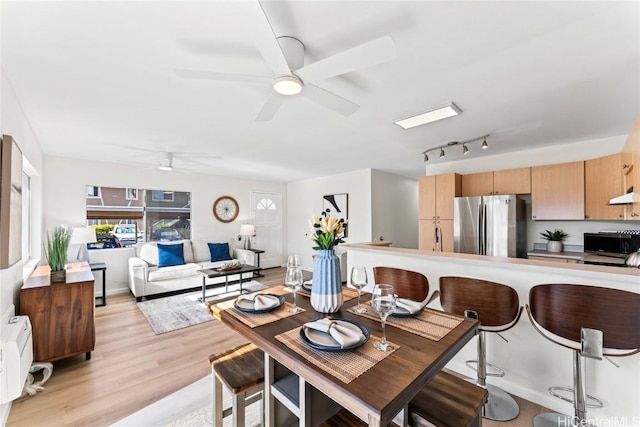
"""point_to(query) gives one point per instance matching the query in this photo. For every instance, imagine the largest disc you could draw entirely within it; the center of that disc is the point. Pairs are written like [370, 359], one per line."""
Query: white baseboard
[4, 413]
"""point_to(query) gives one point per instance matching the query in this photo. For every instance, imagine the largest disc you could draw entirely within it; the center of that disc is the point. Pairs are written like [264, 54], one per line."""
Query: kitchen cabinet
[603, 180]
[436, 194]
[477, 184]
[427, 230]
[427, 197]
[61, 314]
[512, 181]
[632, 178]
[557, 191]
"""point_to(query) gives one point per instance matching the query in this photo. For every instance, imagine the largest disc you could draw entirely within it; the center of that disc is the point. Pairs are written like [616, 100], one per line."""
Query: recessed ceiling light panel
[439, 113]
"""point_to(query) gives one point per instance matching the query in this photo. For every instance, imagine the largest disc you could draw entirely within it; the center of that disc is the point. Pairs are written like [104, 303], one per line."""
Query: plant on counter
[56, 247]
[554, 236]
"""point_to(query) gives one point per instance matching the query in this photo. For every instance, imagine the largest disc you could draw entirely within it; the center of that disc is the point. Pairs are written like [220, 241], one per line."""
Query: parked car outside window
[105, 242]
[168, 235]
[126, 233]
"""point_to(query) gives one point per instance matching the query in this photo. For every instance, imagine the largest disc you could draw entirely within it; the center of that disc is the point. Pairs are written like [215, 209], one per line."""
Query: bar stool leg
[500, 405]
[217, 402]
[237, 409]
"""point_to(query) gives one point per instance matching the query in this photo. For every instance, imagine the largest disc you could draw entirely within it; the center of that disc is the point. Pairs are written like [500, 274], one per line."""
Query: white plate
[325, 340]
[248, 305]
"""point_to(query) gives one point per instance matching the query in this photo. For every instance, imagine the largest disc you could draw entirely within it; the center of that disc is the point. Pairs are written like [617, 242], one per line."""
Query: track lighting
[465, 149]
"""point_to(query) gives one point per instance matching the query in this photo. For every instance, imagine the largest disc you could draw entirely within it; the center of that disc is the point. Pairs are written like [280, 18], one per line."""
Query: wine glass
[293, 281]
[383, 303]
[292, 261]
[359, 281]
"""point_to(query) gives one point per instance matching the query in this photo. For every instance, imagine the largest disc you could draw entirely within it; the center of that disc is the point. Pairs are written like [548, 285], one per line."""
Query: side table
[101, 266]
[257, 252]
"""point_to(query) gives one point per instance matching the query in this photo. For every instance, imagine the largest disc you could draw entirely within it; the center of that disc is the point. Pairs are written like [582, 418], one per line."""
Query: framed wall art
[10, 202]
[337, 205]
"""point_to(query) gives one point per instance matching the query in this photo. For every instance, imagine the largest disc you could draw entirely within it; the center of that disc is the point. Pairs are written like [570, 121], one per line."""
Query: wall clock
[225, 209]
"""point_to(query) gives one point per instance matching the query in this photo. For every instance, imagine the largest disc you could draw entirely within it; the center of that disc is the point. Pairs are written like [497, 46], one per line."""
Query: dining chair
[593, 322]
[406, 283]
[241, 371]
[497, 308]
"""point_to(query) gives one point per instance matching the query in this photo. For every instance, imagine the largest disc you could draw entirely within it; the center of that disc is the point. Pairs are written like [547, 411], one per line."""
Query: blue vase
[326, 291]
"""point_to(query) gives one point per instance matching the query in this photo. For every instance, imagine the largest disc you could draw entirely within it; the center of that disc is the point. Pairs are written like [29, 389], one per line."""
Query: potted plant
[55, 251]
[554, 239]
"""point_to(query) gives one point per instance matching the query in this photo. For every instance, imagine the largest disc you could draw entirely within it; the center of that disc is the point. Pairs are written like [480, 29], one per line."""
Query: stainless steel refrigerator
[490, 225]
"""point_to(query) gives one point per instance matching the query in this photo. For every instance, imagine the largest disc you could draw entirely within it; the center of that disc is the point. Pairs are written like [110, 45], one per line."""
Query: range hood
[630, 197]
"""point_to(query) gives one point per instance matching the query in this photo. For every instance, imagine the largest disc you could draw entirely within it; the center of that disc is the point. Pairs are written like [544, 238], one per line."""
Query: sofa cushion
[219, 251]
[157, 274]
[170, 255]
[148, 251]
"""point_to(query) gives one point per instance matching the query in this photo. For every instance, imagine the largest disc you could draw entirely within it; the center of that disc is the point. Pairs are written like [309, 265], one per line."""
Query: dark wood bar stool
[406, 283]
[498, 309]
[596, 321]
[241, 370]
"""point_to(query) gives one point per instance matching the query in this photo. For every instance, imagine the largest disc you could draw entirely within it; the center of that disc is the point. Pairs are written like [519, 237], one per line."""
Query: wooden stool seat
[241, 370]
[446, 401]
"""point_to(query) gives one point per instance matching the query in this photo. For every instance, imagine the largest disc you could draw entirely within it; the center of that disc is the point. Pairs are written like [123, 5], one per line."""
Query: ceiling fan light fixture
[432, 115]
[287, 85]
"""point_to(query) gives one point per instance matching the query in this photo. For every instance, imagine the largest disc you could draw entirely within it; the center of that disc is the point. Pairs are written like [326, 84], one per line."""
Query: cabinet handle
[586, 217]
[533, 216]
[633, 214]
[626, 166]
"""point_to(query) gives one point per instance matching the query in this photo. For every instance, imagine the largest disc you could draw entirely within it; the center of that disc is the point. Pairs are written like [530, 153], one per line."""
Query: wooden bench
[241, 370]
[446, 401]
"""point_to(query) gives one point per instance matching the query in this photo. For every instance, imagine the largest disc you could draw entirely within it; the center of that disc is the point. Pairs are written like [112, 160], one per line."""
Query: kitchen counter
[575, 256]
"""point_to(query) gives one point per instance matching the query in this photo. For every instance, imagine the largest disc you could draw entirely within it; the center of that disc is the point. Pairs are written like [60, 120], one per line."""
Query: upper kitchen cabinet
[632, 177]
[477, 184]
[557, 191]
[436, 194]
[603, 180]
[512, 181]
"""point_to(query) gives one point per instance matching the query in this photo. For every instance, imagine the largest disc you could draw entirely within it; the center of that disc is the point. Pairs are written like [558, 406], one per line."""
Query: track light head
[426, 158]
[465, 150]
[484, 144]
[441, 152]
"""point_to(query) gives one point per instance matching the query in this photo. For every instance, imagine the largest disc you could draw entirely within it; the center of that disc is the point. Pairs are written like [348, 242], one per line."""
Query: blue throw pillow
[219, 251]
[169, 255]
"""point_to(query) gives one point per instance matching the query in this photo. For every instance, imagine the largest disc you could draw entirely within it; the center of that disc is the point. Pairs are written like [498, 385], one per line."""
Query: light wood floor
[131, 367]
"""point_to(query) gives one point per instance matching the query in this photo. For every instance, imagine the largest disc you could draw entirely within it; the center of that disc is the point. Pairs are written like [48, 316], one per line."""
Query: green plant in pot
[55, 250]
[554, 239]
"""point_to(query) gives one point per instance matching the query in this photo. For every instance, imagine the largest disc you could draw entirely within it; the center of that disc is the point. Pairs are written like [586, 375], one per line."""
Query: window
[162, 196]
[132, 194]
[266, 204]
[93, 191]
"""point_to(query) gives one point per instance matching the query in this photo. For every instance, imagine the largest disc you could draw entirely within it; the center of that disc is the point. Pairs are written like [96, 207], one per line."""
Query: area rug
[180, 311]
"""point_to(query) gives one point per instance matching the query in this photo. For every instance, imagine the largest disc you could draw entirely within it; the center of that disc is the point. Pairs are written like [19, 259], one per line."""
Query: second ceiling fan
[285, 57]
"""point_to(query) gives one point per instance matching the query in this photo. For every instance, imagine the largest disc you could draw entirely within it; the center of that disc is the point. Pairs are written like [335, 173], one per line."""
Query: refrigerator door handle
[484, 229]
[480, 231]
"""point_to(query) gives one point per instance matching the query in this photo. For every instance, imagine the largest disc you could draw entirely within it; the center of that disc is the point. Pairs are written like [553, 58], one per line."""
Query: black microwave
[611, 244]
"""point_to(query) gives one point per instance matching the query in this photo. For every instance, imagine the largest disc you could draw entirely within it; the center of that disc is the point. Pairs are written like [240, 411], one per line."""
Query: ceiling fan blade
[330, 100]
[365, 55]
[212, 75]
[270, 107]
[265, 39]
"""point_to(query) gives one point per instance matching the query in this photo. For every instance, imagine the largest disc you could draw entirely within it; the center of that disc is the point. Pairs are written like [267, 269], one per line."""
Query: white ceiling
[96, 78]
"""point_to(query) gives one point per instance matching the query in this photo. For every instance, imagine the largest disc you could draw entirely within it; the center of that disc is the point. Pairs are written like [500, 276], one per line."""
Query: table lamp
[247, 230]
[82, 236]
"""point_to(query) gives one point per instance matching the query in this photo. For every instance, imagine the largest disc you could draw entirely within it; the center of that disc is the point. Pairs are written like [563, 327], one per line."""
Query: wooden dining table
[297, 388]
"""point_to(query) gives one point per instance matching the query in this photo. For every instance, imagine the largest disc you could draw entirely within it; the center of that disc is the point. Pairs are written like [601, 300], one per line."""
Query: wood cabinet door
[427, 197]
[71, 327]
[446, 229]
[426, 228]
[477, 184]
[512, 181]
[603, 180]
[557, 191]
[448, 186]
[34, 303]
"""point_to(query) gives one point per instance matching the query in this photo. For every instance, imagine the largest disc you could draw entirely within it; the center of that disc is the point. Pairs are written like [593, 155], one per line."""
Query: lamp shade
[81, 235]
[247, 230]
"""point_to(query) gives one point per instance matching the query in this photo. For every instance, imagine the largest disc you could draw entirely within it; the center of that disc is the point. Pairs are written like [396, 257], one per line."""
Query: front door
[266, 215]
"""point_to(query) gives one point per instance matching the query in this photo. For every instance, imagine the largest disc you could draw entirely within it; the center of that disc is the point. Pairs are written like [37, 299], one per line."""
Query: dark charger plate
[334, 348]
[265, 310]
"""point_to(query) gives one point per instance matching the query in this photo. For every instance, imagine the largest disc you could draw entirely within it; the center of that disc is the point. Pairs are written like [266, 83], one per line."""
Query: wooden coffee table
[209, 273]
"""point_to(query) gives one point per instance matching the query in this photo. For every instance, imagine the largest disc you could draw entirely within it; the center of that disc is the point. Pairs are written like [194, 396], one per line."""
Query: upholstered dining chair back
[564, 309]
[496, 304]
[407, 284]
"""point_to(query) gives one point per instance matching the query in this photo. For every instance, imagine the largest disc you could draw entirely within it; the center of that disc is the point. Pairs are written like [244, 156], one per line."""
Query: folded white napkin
[346, 334]
[260, 301]
[410, 305]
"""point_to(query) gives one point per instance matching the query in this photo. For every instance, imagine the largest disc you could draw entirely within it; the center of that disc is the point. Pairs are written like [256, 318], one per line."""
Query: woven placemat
[430, 324]
[254, 320]
[347, 365]
[347, 293]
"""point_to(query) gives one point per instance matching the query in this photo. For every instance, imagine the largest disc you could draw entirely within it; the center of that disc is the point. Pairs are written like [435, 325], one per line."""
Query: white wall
[304, 200]
[65, 198]
[394, 209]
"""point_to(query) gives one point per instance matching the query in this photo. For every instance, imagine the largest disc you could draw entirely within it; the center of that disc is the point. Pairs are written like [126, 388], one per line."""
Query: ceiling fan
[285, 57]
[163, 160]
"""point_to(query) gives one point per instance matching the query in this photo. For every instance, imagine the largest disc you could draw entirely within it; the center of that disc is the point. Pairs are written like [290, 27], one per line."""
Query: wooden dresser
[61, 314]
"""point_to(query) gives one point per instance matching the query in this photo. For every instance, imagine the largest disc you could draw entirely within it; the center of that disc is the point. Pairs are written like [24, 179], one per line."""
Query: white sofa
[146, 278]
